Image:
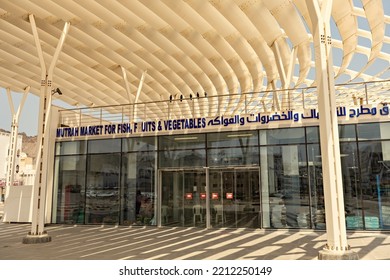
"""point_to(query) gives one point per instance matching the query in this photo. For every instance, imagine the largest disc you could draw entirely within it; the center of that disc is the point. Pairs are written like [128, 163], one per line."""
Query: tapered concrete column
[38, 233]
[337, 247]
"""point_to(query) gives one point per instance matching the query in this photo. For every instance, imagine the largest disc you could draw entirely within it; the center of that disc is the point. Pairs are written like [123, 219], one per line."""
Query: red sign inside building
[188, 195]
[229, 195]
[202, 196]
[214, 196]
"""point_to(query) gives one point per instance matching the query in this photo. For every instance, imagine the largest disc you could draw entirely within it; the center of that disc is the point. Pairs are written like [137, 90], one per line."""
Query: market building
[239, 114]
[260, 170]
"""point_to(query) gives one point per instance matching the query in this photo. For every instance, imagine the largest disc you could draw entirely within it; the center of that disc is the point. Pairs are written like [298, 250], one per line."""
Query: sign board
[222, 123]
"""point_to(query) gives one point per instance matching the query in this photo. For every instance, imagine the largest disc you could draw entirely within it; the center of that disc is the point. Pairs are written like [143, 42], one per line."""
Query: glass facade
[233, 149]
[285, 184]
[180, 151]
[256, 179]
[138, 198]
[365, 158]
[183, 201]
[235, 198]
[105, 181]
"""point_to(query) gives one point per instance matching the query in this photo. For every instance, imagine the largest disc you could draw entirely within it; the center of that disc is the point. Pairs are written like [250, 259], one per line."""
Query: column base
[326, 254]
[36, 238]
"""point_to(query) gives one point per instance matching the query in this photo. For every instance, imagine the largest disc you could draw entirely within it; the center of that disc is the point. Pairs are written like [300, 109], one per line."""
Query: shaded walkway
[112, 243]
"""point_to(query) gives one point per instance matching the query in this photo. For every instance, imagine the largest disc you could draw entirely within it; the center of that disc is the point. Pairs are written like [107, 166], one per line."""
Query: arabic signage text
[219, 121]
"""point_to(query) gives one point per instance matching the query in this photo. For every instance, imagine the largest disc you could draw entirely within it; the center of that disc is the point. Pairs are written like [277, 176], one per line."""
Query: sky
[28, 120]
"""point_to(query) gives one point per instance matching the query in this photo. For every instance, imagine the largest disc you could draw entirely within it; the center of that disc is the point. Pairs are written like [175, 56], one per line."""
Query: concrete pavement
[142, 243]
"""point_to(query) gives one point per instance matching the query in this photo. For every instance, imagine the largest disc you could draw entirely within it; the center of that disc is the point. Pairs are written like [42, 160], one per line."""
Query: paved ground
[112, 243]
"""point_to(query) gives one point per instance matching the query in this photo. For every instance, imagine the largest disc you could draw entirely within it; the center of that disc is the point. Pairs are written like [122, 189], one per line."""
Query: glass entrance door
[183, 198]
[235, 198]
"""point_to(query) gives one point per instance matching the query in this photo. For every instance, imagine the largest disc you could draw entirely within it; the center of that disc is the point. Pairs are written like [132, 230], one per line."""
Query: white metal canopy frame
[218, 47]
[176, 50]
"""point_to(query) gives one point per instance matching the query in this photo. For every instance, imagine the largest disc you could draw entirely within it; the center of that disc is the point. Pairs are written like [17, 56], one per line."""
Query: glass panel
[282, 136]
[104, 146]
[69, 201]
[71, 148]
[172, 198]
[233, 156]
[347, 132]
[316, 186]
[183, 198]
[285, 189]
[352, 190]
[138, 189]
[175, 142]
[375, 183]
[385, 131]
[235, 198]
[312, 135]
[184, 158]
[232, 139]
[102, 204]
[220, 184]
[248, 199]
[194, 199]
[226, 200]
[369, 131]
[138, 144]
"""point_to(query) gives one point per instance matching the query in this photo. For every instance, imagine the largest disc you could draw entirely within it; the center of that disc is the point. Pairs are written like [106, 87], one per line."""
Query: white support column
[13, 144]
[337, 247]
[37, 233]
[285, 78]
[279, 60]
[289, 75]
[138, 93]
[275, 100]
[124, 75]
[127, 86]
[282, 75]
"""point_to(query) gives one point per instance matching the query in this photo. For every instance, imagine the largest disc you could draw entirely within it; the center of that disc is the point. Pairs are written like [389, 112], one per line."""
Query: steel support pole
[13, 146]
[208, 212]
[37, 233]
[336, 247]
